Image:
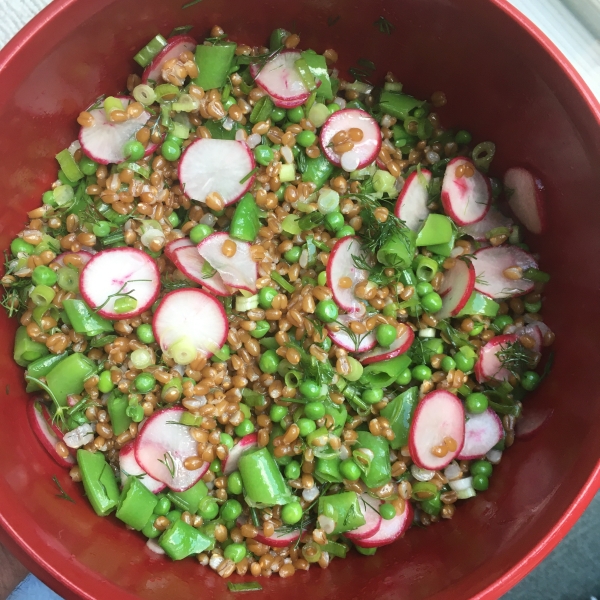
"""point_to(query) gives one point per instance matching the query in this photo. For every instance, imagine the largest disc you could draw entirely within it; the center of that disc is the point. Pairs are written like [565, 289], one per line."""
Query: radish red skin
[128, 465]
[488, 366]
[276, 541]
[189, 262]
[175, 245]
[438, 415]
[390, 530]
[494, 218]
[411, 206]
[372, 517]
[176, 45]
[400, 346]
[456, 289]
[527, 198]
[341, 339]
[230, 463]
[46, 434]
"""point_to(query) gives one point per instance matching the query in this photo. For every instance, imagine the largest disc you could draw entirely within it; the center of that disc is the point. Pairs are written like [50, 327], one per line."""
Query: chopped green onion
[286, 285]
[483, 154]
[63, 195]
[536, 275]
[165, 92]
[144, 94]
[143, 171]
[186, 103]
[311, 220]
[183, 352]
[262, 110]
[111, 104]
[246, 177]
[290, 224]
[141, 358]
[243, 304]
[149, 52]
[251, 586]
[392, 86]
[328, 201]
[318, 114]
[252, 398]
[335, 549]
[292, 379]
[42, 295]
[68, 165]
[308, 78]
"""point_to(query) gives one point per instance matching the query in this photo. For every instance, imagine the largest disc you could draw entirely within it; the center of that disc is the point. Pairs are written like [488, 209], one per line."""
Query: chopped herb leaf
[63, 495]
[250, 586]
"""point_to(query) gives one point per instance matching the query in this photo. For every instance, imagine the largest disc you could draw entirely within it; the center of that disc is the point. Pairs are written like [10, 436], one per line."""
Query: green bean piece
[190, 499]
[398, 105]
[437, 229]
[244, 223]
[69, 166]
[377, 472]
[84, 320]
[317, 66]
[382, 374]
[478, 304]
[26, 350]
[328, 470]
[214, 64]
[117, 407]
[182, 540]
[98, 481]
[318, 170]
[399, 412]
[41, 367]
[262, 110]
[263, 482]
[344, 509]
[149, 52]
[68, 376]
[136, 504]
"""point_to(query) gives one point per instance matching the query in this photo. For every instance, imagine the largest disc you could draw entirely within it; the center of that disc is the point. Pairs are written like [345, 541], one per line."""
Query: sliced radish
[230, 462]
[482, 432]
[466, 199]
[190, 263]
[366, 341]
[373, 520]
[489, 365]
[120, 271]
[176, 45]
[192, 316]
[490, 264]
[401, 345]
[492, 220]
[176, 244]
[341, 265]
[45, 433]
[238, 271]
[526, 198]
[82, 254]
[221, 166]
[532, 421]
[280, 78]
[534, 332]
[105, 141]
[279, 539]
[365, 151]
[411, 206]
[439, 415]
[162, 447]
[129, 466]
[390, 530]
[456, 288]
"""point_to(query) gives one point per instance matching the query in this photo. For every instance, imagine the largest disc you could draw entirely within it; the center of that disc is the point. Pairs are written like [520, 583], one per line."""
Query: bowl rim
[51, 575]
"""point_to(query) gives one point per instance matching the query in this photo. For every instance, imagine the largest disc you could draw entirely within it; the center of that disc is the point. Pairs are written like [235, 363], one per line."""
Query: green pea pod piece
[245, 224]
[277, 38]
[182, 540]
[263, 482]
[446, 248]
[252, 398]
[136, 504]
[84, 320]
[378, 471]
[69, 375]
[339, 414]
[398, 251]
[344, 509]
[384, 373]
[328, 470]
[26, 350]
[478, 304]
[398, 105]
[41, 367]
[117, 407]
[437, 229]
[190, 499]
[214, 64]
[262, 110]
[306, 74]
[318, 170]
[335, 549]
[399, 412]
[318, 68]
[98, 482]
[408, 277]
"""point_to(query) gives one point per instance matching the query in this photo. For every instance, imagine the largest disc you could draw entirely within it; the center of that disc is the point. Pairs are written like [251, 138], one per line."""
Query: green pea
[314, 410]
[170, 150]
[481, 483]
[463, 363]
[350, 470]
[482, 467]
[501, 322]
[144, 383]
[48, 198]
[533, 307]
[145, 333]
[245, 409]
[263, 154]
[333, 107]
[293, 254]
[277, 413]
[265, 297]
[277, 114]
[405, 377]
[421, 372]
[43, 275]
[199, 232]
[234, 483]
[309, 388]
[291, 513]
[306, 426]
[322, 278]
[174, 219]
[261, 329]
[149, 530]
[134, 150]
[163, 507]
[269, 362]
[530, 380]
[208, 508]
[135, 413]
[431, 302]
[101, 229]
[387, 512]
[235, 552]
[244, 428]
[448, 363]
[215, 466]
[463, 137]
[19, 245]
[306, 138]
[477, 329]
[87, 166]
[372, 396]
[226, 440]
[125, 304]
[344, 231]
[386, 335]
[334, 221]
[174, 515]
[423, 288]
[476, 403]
[231, 510]
[327, 311]
[296, 114]
[105, 384]
[293, 470]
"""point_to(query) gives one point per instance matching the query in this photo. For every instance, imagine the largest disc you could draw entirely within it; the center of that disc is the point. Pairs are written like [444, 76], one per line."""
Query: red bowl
[505, 82]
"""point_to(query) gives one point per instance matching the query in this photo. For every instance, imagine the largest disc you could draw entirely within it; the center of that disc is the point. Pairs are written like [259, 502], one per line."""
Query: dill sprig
[514, 357]
[356, 338]
[375, 234]
[63, 495]
[120, 293]
[168, 462]
[171, 284]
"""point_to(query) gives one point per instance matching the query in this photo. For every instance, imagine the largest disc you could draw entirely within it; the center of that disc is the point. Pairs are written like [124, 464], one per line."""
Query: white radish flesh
[280, 78]
[490, 264]
[390, 530]
[341, 265]
[400, 345]
[279, 539]
[128, 465]
[492, 220]
[120, 271]
[411, 206]
[194, 316]
[46, 434]
[366, 341]
[84, 256]
[238, 271]
[466, 199]
[176, 244]
[221, 166]
[439, 415]
[535, 333]
[456, 288]
[365, 150]
[162, 447]
[482, 432]
[526, 198]
[370, 510]
[191, 264]
[176, 46]
[230, 463]
[489, 364]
